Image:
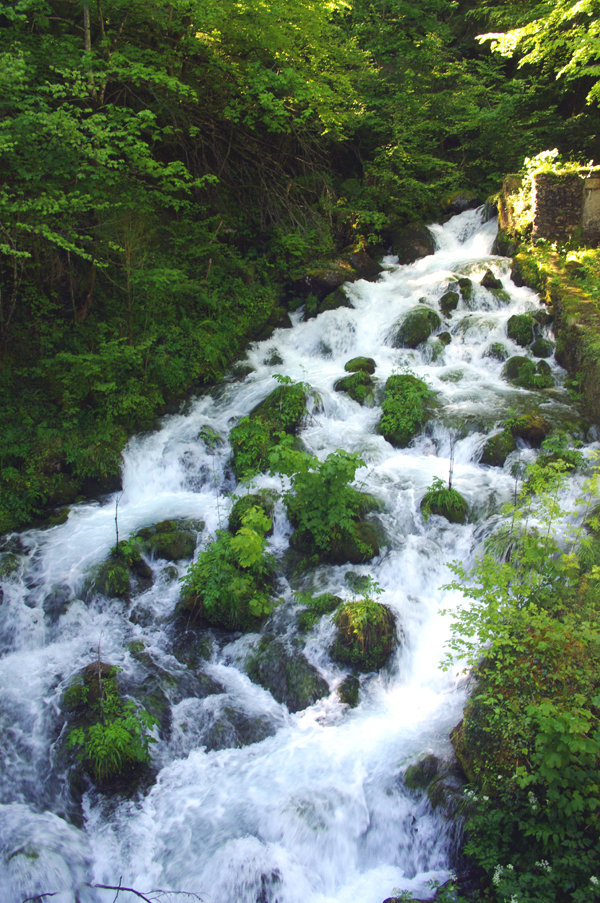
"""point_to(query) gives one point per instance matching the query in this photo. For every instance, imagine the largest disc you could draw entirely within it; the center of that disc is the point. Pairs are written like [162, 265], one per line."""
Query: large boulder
[367, 364]
[322, 280]
[490, 281]
[532, 428]
[542, 348]
[363, 265]
[449, 302]
[366, 635]
[286, 673]
[497, 449]
[415, 327]
[460, 200]
[405, 409]
[521, 329]
[525, 373]
[359, 386]
[412, 242]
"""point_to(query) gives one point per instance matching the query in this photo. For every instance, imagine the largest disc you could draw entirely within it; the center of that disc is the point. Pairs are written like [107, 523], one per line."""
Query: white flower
[593, 880]
[497, 875]
[486, 798]
[544, 864]
[514, 899]
[510, 867]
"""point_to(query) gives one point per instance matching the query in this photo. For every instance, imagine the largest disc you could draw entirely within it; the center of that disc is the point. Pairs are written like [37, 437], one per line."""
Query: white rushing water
[314, 811]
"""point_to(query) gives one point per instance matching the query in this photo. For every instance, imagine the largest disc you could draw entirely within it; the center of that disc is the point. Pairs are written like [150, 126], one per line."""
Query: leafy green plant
[444, 501]
[404, 409]
[120, 738]
[226, 585]
[366, 631]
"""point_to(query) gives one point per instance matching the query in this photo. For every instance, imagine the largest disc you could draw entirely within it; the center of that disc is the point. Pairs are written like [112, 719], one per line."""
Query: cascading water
[315, 809]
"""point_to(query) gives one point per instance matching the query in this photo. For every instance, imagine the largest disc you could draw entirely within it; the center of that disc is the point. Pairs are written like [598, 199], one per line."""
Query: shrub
[404, 410]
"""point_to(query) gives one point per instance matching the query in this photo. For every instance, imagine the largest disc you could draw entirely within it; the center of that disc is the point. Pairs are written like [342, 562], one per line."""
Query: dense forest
[170, 170]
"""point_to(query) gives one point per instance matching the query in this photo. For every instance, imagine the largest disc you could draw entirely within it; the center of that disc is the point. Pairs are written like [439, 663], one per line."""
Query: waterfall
[315, 810]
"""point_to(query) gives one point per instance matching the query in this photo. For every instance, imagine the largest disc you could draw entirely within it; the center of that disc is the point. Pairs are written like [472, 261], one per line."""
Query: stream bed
[248, 802]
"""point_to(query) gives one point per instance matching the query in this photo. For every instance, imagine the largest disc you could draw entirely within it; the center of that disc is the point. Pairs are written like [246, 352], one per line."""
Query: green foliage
[226, 585]
[404, 409]
[531, 733]
[119, 738]
[316, 607]
[445, 502]
[366, 631]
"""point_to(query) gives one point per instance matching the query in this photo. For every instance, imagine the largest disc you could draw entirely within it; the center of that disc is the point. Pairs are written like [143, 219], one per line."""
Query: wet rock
[542, 317]
[273, 359]
[415, 328]
[542, 348]
[358, 544]
[466, 288]
[420, 775]
[532, 427]
[444, 502]
[333, 301]
[279, 318]
[348, 691]
[449, 302]
[321, 281]
[445, 338]
[366, 635]
[10, 563]
[317, 607]
[504, 245]
[460, 200]
[111, 578]
[359, 386]
[264, 500]
[490, 281]
[523, 372]
[520, 328]
[497, 449]
[173, 545]
[366, 364]
[364, 266]
[56, 602]
[229, 727]
[287, 674]
[412, 242]
[497, 350]
[501, 295]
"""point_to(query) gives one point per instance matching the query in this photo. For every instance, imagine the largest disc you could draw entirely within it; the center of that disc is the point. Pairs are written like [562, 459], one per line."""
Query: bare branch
[39, 897]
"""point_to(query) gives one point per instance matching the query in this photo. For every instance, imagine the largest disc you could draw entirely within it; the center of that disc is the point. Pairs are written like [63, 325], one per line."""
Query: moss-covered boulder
[412, 242]
[405, 409]
[490, 281]
[420, 775]
[317, 606]
[501, 295]
[321, 281]
[449, 302]
[466, 288]
[363, 264]
[265, 500]
[542, 317]
[542, 348]
[445, 338]
[333, 301]
[497, 350]
[521, 329]
[111, 578]
[415, 327]
[356, 544]
[253, 438]
[366, 635]
[460, 200]
[367, 364]
[532, 428]
[523, 372]
[444, 502]
[497, 449]
[348, 691]
[504, 245]
[286, 673]
[173, 545]
[359, 386]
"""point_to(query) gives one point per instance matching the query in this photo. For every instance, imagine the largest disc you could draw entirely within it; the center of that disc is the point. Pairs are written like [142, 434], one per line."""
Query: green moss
[405, 409]
[466, 288]
[449, 302]
[348, 691]
[523, 372]
[415, 328]
[445, 338]
[420, 775]
[520, 328]
[444, 502]
[366, 635]
[497, 449]
[360, 363]
[532, 427]
[497, 350]
[286, 673]
[317, 606]
[111, 578]
[359, 386]
[542, 348]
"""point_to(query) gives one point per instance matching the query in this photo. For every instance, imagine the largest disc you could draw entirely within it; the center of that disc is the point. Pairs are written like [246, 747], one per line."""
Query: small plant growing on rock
[445, 502]
[366, 632]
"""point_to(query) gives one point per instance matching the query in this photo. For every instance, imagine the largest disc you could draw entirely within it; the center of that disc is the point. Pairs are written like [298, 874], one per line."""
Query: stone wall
[564, 206]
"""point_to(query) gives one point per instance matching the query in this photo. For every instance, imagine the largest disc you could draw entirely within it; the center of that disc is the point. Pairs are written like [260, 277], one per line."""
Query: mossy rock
[405, 409]
[173, 545]
[497, 351]
[283, 408]
[232, 612]
[521, 329]
[497, 449]
[490, 281]
[367, 364]
[460, 200]
[542, 348]
[525, 271]
[419, 776]
[532, 427]
[264, 500]
[412, 242]
[434, 349]
[317, 607]
[445, 338]
[504, 244]
[466, 288]
[335, 300]
[212, 440]
[415, 328]
[273, 359]
[359, 386]
[542, 317]
[523, 372]
[449, 302]
[356, 545]
[501, 295]
[366, 635]
[10, 563]
[348, 691]
[111, 579]
[286, 673]
[448, 503]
